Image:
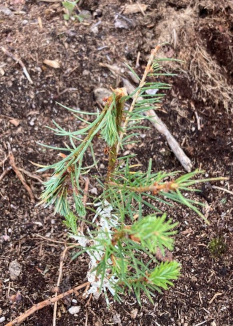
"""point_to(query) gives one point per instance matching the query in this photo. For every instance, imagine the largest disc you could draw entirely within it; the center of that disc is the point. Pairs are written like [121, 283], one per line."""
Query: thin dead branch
[4, 160]
[174, 145]
[33, 176]
[5, 172]
[50, 240]
[43, 304]
[20, 176]
[162, 128]
[222, 189]
[59, 280]
[19, 61]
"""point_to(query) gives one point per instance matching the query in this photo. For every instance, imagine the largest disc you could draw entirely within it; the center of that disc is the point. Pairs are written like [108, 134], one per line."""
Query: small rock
[2, 319]
[32, 121]
[94, 191]
[122, 22]
[86, 72]
[14, 269]
[74, 310]
[85, 14]
[6, 11]
[94, 29]
[5, 237]
[101, 93]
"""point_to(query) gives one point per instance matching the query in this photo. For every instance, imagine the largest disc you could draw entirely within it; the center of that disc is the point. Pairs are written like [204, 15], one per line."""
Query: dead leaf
[166, 257]
[15, 122]
[52, 63]
[134, 8]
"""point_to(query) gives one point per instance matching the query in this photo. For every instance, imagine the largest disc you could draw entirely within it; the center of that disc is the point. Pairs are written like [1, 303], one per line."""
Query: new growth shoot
[121, 240]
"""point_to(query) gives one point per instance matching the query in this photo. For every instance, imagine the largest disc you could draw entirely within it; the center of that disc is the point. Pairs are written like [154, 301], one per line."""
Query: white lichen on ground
[106, 222]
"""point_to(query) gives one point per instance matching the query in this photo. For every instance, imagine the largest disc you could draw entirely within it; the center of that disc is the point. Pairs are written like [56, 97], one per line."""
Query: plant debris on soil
[63, 62]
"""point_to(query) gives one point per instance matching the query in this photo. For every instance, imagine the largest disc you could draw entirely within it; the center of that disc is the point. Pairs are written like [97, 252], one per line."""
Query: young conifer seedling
[121, 240]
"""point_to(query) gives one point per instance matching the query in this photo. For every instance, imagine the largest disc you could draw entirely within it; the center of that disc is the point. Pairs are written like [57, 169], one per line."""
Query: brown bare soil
[199, 32]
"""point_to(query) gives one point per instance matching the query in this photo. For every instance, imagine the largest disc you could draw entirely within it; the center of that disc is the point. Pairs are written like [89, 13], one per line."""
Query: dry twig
[19, 61]
[20, 176]
[162, 128]
[33, 176]
[43, 304]
[5, 172]
[50, 240]
[59, 280]
[4, 160]
[225, 190]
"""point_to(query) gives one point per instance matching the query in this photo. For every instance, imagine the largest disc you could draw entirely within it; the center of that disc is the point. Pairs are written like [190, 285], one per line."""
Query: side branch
[136, 96]
[155, 188]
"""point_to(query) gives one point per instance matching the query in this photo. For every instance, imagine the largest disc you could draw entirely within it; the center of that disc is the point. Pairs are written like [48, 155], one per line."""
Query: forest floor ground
[197, 110]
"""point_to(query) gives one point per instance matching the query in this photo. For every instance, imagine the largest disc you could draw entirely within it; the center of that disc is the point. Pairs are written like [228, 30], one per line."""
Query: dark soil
[31, 234]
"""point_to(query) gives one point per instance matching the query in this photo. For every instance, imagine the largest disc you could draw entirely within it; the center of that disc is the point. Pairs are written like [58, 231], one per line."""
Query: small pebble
[6, 11]
[94, 29]
[74, 310]
[14, 269]
[2, 319]
[86, 72]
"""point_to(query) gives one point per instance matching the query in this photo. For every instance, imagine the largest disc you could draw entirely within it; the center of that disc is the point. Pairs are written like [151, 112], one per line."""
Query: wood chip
[134, 8]
[40, 23]
[52, 63]
[215, 296]
[2, 72]
[15, 122]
